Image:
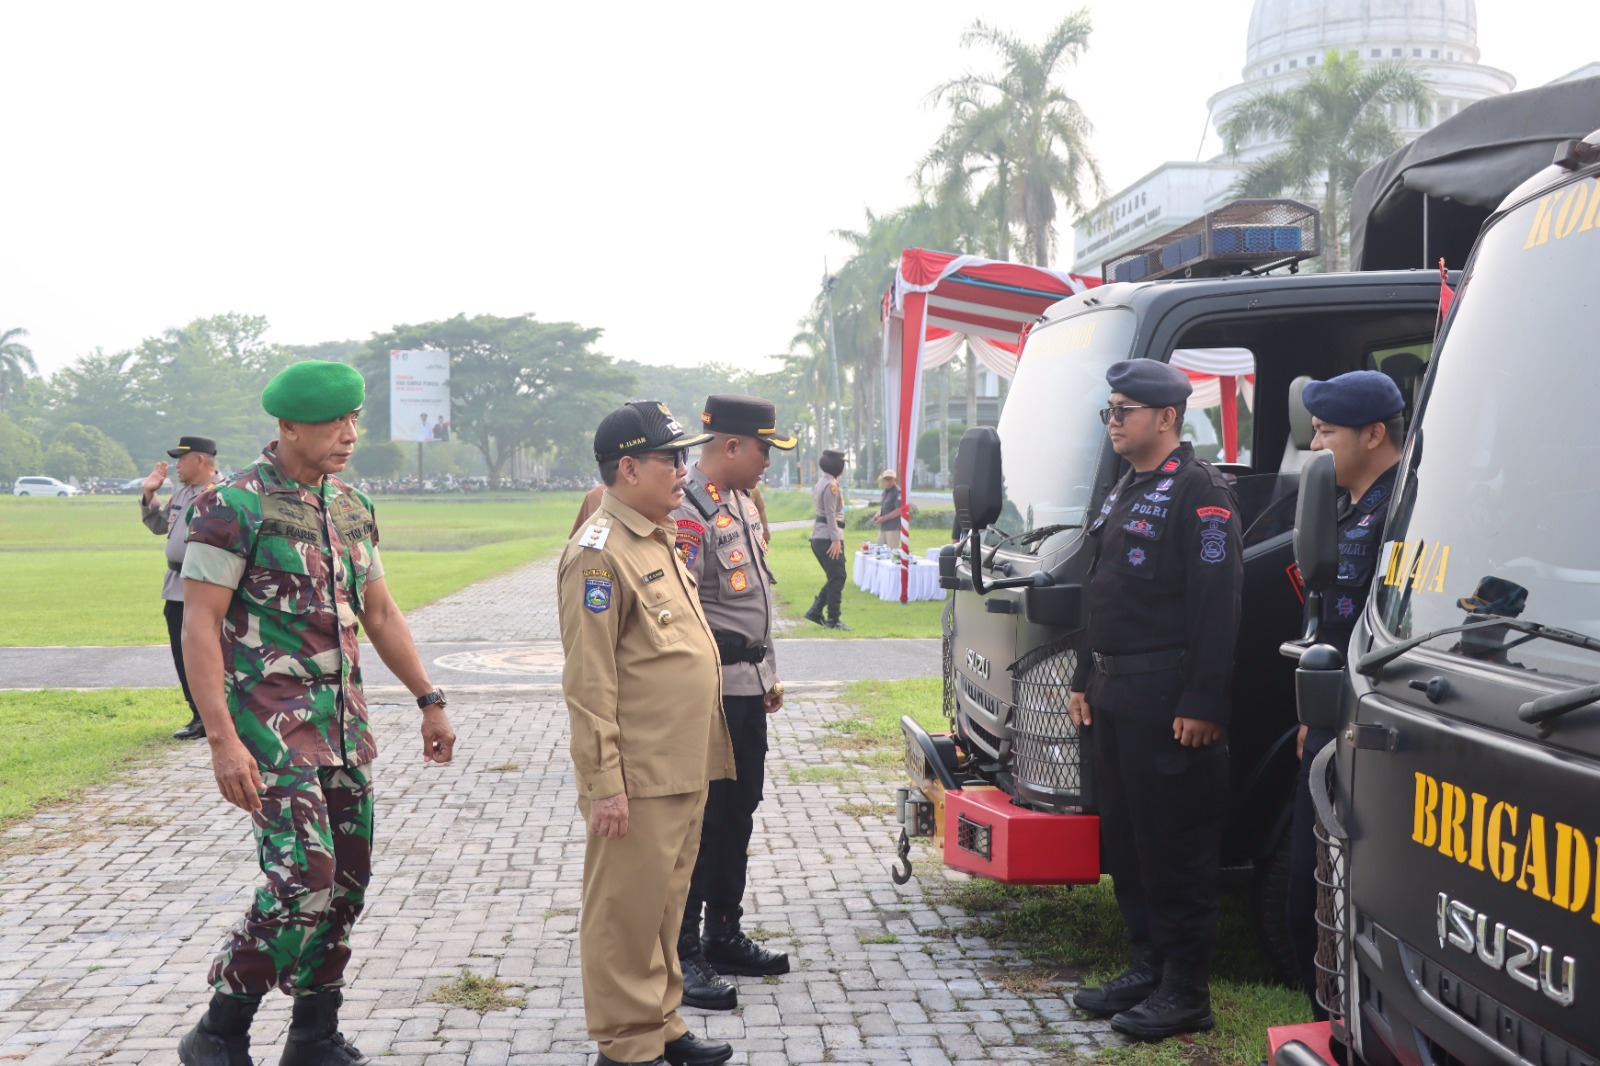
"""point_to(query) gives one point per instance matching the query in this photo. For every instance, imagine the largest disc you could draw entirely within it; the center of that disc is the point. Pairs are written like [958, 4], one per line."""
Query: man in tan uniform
[723, 544]
[644, 692]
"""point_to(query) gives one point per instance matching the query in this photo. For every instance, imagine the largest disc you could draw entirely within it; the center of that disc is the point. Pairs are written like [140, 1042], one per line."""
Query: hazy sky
[670, 173]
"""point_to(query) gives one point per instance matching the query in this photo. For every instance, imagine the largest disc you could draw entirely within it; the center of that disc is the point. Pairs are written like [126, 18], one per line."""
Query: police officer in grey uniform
[827, 540]
[197, 469]
[723, 544]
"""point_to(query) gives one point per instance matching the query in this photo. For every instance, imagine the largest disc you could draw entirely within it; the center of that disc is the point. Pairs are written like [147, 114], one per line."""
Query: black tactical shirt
[1360, 541]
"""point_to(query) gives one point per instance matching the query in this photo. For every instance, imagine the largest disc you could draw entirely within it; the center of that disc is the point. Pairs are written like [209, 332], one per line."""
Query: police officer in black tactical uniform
[1359, 418]
[723, 544]
[1153, 679]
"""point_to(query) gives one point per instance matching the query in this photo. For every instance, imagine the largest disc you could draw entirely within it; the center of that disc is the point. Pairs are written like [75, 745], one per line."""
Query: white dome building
[1437, 37]
[1286, 37]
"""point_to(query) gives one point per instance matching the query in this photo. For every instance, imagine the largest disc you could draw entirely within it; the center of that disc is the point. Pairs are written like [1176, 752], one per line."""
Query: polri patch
[1214, 537]
[724, 521]
[736, 557]
[1141, 527]
[738, 581]
[687, 553]
[652, 576]
[596, 594]
[1136, 556]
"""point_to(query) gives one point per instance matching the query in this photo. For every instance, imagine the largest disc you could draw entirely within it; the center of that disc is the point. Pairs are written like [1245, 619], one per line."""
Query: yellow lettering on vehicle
[1418, 563]
[1558, 215]
[1397, 552]
[1546, 858]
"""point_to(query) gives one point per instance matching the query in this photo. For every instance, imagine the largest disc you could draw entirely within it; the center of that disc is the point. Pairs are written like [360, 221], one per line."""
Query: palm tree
[16, 362]
[1336, 123]
[1024, 128]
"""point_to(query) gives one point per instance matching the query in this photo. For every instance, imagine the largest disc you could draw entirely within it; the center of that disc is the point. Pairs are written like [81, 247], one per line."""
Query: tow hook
[900, 869]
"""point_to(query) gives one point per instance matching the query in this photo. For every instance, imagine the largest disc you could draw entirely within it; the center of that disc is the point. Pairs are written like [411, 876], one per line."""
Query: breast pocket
[281, 578]
[738, 569]
[1134, 548]
[663, 614]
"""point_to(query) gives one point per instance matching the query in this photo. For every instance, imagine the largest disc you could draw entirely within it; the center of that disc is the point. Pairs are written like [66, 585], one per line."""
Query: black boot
[690, 1050]
[1128, 989]
[730, 951]
[703, 987]
[815, 613]
[314, 1038]
[1181, 1005]
[195, 730]
[836, 624]
[222, 1036]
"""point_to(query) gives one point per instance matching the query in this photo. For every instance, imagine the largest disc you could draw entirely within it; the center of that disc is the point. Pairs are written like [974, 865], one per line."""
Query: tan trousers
[889, 534]
[633, 898]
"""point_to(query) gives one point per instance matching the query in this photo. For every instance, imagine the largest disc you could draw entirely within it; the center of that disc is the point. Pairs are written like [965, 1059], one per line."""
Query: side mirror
[1319, 687]
[978, 480]
[1316, 524]
[1055, 606]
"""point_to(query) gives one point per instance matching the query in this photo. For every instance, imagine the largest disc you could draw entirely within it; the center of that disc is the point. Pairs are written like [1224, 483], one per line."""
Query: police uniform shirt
[641, 678]
[727, 556]
[1360, 540]
[825, 495]
[1167, 575]
[173, 520]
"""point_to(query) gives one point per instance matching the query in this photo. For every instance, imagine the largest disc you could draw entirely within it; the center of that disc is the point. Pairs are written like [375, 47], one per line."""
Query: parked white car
[42, 486]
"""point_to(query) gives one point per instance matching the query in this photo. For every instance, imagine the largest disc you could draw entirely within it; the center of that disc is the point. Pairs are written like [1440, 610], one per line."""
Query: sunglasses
[1118, 412]
[677, 456]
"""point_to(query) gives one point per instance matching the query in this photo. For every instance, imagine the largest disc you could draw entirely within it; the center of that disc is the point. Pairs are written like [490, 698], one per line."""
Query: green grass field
[85, 571]
[55, 744]
[800, 577]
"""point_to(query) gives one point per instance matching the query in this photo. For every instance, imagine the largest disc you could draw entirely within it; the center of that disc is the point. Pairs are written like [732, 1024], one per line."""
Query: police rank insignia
[738, 581]
[1213, 538]
[715, 494]
[1170, 465]
[596, 593]
[1373, 497]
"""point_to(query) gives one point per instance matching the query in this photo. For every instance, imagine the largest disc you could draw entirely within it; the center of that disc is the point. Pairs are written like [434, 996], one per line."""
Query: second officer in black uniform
[723, 544]
[1153, 680]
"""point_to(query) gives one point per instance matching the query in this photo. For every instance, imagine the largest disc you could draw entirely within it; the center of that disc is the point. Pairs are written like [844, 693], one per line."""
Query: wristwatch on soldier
[432, 699]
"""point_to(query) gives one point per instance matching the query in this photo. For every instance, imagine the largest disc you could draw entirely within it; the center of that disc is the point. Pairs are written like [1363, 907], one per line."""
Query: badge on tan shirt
[652, 575]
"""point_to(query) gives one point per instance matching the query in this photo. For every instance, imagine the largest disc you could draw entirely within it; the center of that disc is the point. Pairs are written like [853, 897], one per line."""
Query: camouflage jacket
[298, 560]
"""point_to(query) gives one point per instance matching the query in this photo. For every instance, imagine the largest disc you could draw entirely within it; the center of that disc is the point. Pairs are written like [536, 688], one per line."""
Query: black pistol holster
[731, 648]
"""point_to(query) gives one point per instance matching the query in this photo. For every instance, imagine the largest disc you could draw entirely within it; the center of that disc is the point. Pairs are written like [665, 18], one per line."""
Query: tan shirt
[641, 679]
[727, 556]
[826, 497]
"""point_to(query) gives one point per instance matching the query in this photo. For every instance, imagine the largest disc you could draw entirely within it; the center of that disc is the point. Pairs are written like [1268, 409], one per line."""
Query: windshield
[1496, 514]
[1050, 431]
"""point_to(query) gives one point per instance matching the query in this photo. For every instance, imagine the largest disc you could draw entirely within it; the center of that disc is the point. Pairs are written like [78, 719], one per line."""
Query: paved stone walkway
[113, 907]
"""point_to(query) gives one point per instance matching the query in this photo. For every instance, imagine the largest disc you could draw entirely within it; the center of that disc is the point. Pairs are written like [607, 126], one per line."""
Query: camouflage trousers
[314, 842]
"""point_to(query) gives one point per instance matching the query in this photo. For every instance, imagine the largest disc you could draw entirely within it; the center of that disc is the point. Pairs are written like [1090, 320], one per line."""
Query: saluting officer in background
[1359, 418]
[723, 543]
[1153, 679]
[827, 541]
[643, 690]
[197, 469]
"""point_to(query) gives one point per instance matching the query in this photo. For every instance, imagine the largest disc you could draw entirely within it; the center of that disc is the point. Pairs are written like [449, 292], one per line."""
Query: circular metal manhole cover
[541, 660]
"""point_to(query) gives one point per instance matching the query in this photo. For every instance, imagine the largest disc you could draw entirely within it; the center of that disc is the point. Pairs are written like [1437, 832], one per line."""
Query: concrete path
[111, 908]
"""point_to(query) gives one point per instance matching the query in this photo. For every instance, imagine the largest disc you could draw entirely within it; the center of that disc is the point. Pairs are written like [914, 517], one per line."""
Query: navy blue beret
[1149, 381]
[1358, 398]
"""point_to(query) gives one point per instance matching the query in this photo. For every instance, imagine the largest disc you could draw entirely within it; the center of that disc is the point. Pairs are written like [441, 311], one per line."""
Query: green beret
[314, 391]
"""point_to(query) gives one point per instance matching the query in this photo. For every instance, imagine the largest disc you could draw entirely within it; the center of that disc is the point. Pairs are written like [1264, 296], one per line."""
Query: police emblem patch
[1157, 497]
[1214, 537]
[1373, 497]
[1166, 483]
[1345, 606]
[1141, 527]
[736, 557]
[596, 594]
[688, 553]
[1136, 556]
[738, 581]
[724, 521]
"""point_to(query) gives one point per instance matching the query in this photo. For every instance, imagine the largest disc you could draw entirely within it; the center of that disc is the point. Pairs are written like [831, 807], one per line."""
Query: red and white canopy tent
[940, 301]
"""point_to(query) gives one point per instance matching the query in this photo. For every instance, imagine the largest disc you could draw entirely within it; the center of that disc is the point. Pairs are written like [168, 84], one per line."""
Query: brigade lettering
[1548, 859]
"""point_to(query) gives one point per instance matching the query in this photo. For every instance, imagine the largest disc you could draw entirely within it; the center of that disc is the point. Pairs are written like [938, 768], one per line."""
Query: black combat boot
[703, 987]
[1128, 989]
[690, 1050]
[1181, 1005]
[222, 1036]
[730, 951]
[815, 613]
[314, 1038]
[836, 624]
[195, 730]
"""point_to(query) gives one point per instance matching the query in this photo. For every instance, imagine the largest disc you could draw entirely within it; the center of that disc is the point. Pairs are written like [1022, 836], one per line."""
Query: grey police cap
[1358, 398]
[1149, 381]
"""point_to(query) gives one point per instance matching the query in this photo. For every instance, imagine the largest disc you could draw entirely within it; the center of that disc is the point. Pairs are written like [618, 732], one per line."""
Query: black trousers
[1162, 808]
[720, 869]
[833, 569]
[1302, 916]
[173, 609]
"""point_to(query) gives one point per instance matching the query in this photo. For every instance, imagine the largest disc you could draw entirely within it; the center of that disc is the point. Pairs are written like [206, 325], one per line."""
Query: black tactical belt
[731, 649]
[176, 568]
[1145, 663]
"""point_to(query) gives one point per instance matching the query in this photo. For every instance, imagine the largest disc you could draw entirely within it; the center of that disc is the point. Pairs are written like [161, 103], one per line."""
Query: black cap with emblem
[745, 416]
[638, 427]
[193, 444]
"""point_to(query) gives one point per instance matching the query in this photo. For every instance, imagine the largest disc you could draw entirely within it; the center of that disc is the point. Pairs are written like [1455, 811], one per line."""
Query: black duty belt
[1144, 663]
[731, 648]
[176, 568]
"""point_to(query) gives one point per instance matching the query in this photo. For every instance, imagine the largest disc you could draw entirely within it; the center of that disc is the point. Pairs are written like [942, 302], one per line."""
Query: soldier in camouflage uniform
[282, 564]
